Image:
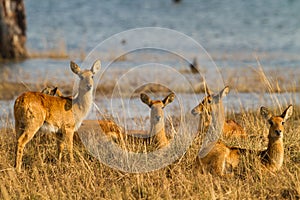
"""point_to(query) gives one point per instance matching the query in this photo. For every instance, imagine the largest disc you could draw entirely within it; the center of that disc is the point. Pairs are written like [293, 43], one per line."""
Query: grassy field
[87, 178]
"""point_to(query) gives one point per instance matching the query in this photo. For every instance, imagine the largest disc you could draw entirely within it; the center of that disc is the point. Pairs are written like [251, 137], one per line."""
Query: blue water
[234, 32]
[220, 26]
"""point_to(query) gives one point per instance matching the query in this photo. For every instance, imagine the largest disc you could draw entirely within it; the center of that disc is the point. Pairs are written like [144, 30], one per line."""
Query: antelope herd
[49, 110]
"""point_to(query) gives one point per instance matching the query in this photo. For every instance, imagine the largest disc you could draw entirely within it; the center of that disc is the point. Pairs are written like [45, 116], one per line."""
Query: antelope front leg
[65, 137]
[60, 145]
[69, 140]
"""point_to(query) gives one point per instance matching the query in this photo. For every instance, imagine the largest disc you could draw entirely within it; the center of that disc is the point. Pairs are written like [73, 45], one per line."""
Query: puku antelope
[157, 123]
[220, 157]
[107, 126]
[157, 137]
[272, 157]
[56, 92]
[50, 91]
[34, 111]
[231, 129]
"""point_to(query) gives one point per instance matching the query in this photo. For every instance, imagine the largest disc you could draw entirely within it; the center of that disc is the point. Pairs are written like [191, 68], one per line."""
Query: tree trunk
[12, 29]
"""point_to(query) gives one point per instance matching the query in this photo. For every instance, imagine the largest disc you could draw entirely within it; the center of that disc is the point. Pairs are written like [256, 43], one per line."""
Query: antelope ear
[46, 90]
[287, 113]
[96, 67]
[206, 90]
[59, 93]
[217, 98]
[169, 99]
[265, 113]
[53, 92]
[75, 68]
[146, 99]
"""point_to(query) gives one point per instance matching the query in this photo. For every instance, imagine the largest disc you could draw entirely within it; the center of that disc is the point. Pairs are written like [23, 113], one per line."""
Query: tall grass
[43, 178]
[87, 178]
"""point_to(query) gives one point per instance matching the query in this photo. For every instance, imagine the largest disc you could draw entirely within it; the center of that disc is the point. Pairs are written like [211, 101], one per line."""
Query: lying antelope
[222, 158]
[157, 123]
[231, 129]
[50, 91]
[34, 111]
[272, 157]
[56, 92]
[157, 137]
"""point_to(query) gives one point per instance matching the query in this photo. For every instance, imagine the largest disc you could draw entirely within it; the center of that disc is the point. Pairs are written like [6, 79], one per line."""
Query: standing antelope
[107, 126]
[34, 111]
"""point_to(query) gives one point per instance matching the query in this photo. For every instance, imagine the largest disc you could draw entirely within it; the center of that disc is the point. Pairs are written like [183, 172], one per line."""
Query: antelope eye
[282, 123]
[92, 77]
[209, 101]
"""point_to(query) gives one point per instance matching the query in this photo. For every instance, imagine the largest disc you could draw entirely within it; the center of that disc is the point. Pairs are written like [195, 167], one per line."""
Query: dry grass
[260, 80]
[88, 178]
[43, 178]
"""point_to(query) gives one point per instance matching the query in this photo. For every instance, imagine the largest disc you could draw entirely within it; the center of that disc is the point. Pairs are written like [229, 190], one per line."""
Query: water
[236, 29]
[233, 25]
[234, 32]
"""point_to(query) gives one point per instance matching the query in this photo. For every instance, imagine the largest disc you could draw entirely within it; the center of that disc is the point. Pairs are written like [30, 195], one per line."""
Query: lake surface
[232, 31]
[234, 26]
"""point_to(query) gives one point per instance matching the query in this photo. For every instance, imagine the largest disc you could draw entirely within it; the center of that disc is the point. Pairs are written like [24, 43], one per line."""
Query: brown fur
[156, 138]
[49, 91]
[231, 129]
[56, 92]
[108, 127]
[137, 140]
[157, 124]
[272, 157]
[221, 159]
[34, 111]
[140, 140]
